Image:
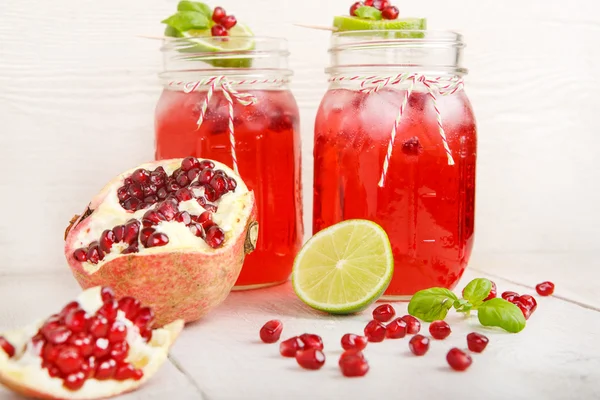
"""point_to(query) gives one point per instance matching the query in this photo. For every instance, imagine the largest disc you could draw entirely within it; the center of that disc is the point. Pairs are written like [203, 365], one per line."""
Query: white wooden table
[556, 357]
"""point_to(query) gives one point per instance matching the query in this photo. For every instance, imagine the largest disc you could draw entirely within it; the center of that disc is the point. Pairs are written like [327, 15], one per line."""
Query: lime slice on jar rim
[347, 23]
[345, 268]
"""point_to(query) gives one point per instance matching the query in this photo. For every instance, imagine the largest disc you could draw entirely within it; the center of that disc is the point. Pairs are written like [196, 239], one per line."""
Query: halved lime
[344, 268]
[348, 23]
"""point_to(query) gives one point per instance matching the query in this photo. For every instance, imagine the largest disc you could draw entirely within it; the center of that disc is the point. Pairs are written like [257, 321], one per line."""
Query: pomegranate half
[172, 233]
[96, 347]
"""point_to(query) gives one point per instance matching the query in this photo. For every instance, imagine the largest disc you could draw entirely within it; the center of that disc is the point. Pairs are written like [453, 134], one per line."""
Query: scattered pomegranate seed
[493, 292]
[8, 348]
[350, 353]
[353, 365]
[413, 325]
[439, 330]
[458, 359]
[351, 341]
[355, 7]
[218, 30]
[375, 331]
[524, 309]
[419, 345]
[396, 329]
[311, 341]
[545, 288]
[218, 14]
[310, 358]
[510, 296]
[391, 12]
[528, 301]
[477, 342]
[229, 22]
[289, 347]
[384, 313]
[271, 331]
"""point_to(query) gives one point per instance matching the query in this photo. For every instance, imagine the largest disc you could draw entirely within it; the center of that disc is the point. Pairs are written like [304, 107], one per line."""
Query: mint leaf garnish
[431, 304]
[477, 290]
[367, 12]
[501, 313]
[463, 305]
[197, 6]
[183, 21]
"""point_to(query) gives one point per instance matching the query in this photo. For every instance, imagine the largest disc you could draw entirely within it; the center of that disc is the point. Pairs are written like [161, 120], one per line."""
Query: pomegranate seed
[133, 248]
[162, 193]
[182, 180]
[390, 12]
[122, 194]
[132, 229]
[375, 331]
[219, 183]
[310, 358]
[528, 301]
[289, 347]
[205, 176]
[152, 217]
[144, 318]
[381, 4]
[369, 3]
[477, 342]
[140, 176]
[88, 367]
[206, 164]
[458, 359]
[210, 194]
[168, 209]
[106, 369]
[545, 288]
[229, 22]
[75, 381]
[83, 342]
[510, 296]
[353, 365]
[215, 237]
[76, 320]
[351, 341]
[312, 341]
[99, 326]
[151, 200]
[93, 254]
[193, 174]
[128, 371]
[419, 345]
[232, 184]
[350, 353]
[109, 310]
[157, 239]
[493, 292]
[72, 306]
[524, 309]
[119, 350]
[58, 335]
[204, 218]
[117, 332]
[218, 30]
[146, 334]
[384, 313]
[439, 330]
[271, 331]
[218, 14]
[107, 294]
[413, 325]
[8, 348]
[172, 186]
[211, 208]
[135, 190]
[80, 255]
[55, 321]
[53, 371]
[149, 191]
[50, 352]
[119, 232]
[197, 230]
[184, 194]
[412, 146]
[101, 348]
[396, 329]
[157, 179]
[355, 7]
[145, 234]
[129, 306]
[189, 163]
[69, 360]
[184, 217]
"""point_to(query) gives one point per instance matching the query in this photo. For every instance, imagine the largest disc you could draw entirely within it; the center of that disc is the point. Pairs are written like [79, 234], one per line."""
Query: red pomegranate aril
[375, 331]
[439, 330]
[168, 209]
[83, 342]
[55, 320]
[101, 348]
[229, 22]
[351, 341]
[76, 321]
[384, 313]
[152, 217]
[72, 306]
[197, 230]
[8, 348]
[107, 239]
[184, 217]
[413, 325]
[419, 345]
[50, 351]
[390, 12]
[289, 347]
[183, 180]
[172, 186]
[146, 334]
[106, 369]
[188, 163]
[127, 371]
[271, 331]
[184, 194]
[355, 7]
[58, 335]
[93, 254]
[109, 310]
[151, 199]
[528, 301]
[369, 3]
[117, 332]
[193, 174]
[157, 239]
[353, 366]
[219, 184]
[396, 329]
[149, 190]
[311, 341]
[133, 248]
[218, 14]
[157, 179]
[205, 176]
[145, 234]
[75, 381]
[524, 309]
[99, 326]
[210, 193]
[107, 294]
[350, 353]
[136, 191]
[458, 359]
[122, 194]
[477, 342]
[215, 237]
[140, 176]
[545, 288]
[218, 30]
[204, 217]
[119, 232]
[53, 371]
[310, 358]
[232, 183]
[162, 193]
[493, 292]
[80, 255]
[119, 350]
[129, 306]
[69, 360]
[88, 367]
[381, 4]
[211, 208]
[144, 318]
[132, 230]
[206, 164]
[510, 296]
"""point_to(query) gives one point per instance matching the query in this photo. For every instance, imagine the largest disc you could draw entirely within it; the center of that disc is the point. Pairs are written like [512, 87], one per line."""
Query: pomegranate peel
[24, 372]
[181, 267]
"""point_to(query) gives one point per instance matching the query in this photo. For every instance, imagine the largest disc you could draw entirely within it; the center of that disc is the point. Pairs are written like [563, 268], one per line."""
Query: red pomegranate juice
[268, 154]
[426, 206]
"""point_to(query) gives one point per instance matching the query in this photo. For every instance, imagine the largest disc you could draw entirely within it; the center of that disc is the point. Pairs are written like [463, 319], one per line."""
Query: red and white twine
[226, 86]
[443, 85]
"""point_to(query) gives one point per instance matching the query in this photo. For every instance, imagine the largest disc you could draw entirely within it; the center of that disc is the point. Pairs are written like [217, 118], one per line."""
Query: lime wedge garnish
[344, 268]
[348, 23]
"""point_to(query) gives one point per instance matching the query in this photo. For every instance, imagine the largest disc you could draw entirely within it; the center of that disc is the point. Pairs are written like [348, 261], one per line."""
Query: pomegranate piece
[439, 330]
[310, 358]
[350, 353]
[355, 7]
[229, 22]
[215, 237]
[93, 254]
[493, 292]
[351, 341]
[353, 365]
[289, 347]
[545, 288]
[510, 296]
[413, 325]
[311, 341]
[218, 30]
[477, 342]
[375, 331]
[384, 313]
[157, 239]
[458, 359]
[218, 14]
[528, 301]
[80, 255]
[396, 329]
[8, 348]
[524, 309]
[419, 345]
[381, 4]
[390, 12]
[271, 331]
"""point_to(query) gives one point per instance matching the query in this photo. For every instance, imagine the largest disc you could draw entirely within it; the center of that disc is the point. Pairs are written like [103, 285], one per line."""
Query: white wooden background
[78, 89]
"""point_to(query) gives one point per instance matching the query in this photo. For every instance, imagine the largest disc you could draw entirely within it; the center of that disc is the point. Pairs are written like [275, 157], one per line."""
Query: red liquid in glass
[426, 206]
[268, 154]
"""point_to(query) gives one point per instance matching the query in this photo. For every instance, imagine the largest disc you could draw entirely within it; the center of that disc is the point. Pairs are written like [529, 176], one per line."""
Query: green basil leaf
[431, 304]
[197, 6]
[477, 290]
[501, 313]
[183, 21]
[367, 12]
[463, 305]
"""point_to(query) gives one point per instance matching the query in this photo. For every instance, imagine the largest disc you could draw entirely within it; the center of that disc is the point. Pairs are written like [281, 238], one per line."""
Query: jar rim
[413, 37]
